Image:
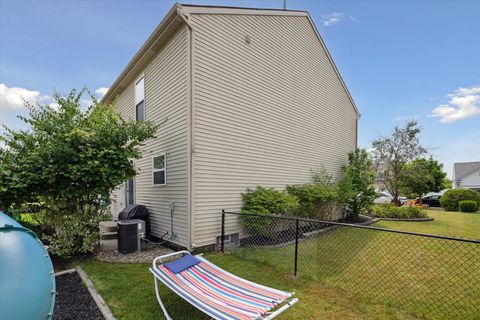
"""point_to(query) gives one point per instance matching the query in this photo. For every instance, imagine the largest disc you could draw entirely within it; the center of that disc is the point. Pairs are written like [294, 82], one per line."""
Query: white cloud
[101, 92]
[334, 18]
[464, 103]
[12, 98]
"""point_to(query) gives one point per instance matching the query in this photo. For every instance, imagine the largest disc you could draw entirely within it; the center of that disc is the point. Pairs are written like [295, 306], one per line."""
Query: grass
[128, 291]
[344, 274]
[446, 223]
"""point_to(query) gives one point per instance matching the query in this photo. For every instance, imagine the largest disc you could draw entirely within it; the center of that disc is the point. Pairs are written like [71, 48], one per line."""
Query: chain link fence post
[296, 246]
[222, 237]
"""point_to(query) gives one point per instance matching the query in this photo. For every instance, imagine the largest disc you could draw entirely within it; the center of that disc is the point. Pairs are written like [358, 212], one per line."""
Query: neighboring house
[252, 97]
[466, 175]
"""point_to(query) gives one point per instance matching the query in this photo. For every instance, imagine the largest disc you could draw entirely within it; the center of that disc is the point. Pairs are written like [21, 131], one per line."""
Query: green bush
[390, 211]
[77, 232]
[318, 201]
[468, 206]
[265, 201]
[451, 198]
[65, 164]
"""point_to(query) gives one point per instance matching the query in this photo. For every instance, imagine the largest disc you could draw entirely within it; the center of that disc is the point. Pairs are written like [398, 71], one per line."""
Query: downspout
[190, 174]
[356, 131]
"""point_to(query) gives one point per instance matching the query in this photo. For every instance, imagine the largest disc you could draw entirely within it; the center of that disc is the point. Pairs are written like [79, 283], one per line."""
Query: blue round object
[27, 279]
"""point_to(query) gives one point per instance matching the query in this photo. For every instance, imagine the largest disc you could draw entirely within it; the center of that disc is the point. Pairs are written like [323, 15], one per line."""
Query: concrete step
[108, 235]
[107, 245]
[108, 226]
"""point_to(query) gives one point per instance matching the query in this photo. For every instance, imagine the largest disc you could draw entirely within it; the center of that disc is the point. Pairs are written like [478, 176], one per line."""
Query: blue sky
[400, 59]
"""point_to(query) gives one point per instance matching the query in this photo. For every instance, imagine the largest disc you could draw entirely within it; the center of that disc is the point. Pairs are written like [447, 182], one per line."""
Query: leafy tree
[447, 184]
[391, 155]
[356, 184]
[422, 176]
[70, 160]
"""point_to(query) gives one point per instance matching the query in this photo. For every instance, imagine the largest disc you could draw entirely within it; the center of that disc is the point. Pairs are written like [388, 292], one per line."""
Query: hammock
[216, 292]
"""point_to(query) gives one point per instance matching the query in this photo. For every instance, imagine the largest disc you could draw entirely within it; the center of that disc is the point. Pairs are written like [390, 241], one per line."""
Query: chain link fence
[435, 274]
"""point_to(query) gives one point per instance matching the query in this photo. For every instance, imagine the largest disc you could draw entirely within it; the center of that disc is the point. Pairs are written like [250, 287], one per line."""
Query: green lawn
[454, 224]
[344, 274]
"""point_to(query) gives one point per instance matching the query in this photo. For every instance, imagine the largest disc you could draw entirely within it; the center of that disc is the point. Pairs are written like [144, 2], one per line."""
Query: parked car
[430, 201]
[383, 197]
[403, 200]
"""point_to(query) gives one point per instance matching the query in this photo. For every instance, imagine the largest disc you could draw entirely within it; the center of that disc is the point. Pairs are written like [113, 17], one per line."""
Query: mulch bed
[73, 300]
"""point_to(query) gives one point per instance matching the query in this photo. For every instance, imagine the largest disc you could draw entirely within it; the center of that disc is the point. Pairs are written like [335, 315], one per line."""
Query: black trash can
[127, 236]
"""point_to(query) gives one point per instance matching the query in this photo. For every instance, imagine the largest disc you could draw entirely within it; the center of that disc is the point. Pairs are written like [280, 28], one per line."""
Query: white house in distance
[252, 97]
[466, 175]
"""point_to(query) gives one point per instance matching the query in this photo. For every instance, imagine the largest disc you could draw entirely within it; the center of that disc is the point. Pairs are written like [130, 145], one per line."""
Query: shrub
[268, 201]
[451, 198]
[265, 201]
[468, 206]
[390, 211]
[315, 200]
[75, 233]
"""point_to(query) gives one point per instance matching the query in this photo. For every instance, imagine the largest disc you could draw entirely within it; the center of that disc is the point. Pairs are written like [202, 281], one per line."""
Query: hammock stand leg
[165, 312]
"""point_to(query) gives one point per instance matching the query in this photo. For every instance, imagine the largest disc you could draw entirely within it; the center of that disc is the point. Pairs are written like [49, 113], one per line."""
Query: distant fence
[429, 276]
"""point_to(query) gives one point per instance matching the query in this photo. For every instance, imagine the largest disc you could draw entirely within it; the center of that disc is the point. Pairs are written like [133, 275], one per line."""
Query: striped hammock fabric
[219, 293]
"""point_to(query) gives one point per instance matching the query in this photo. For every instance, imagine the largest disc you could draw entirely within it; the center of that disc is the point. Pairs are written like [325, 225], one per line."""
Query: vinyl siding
[165, 98]
[471, 181]
[265, 113]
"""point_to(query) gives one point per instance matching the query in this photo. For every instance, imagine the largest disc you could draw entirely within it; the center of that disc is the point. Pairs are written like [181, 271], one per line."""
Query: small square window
[159, 169]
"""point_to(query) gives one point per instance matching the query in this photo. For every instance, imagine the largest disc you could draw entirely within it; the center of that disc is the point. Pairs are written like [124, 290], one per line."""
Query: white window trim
[137, 80]
[164, 154]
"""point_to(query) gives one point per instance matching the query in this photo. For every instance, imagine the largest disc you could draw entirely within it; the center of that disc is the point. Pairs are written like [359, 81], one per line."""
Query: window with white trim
[140, 99]
[159, 170]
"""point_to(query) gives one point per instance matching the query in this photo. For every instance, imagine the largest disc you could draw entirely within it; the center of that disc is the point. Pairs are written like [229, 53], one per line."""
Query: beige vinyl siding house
[252, 98]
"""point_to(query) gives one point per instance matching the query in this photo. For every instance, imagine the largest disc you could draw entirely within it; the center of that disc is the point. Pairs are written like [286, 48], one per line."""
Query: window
[140, 99]
[159, 170]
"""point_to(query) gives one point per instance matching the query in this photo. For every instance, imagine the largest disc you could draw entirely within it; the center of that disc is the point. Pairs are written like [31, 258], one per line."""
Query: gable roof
[177, 16]
[462, 169]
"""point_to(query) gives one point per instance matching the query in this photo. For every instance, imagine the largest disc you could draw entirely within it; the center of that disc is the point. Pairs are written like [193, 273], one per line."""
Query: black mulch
[73, 300]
